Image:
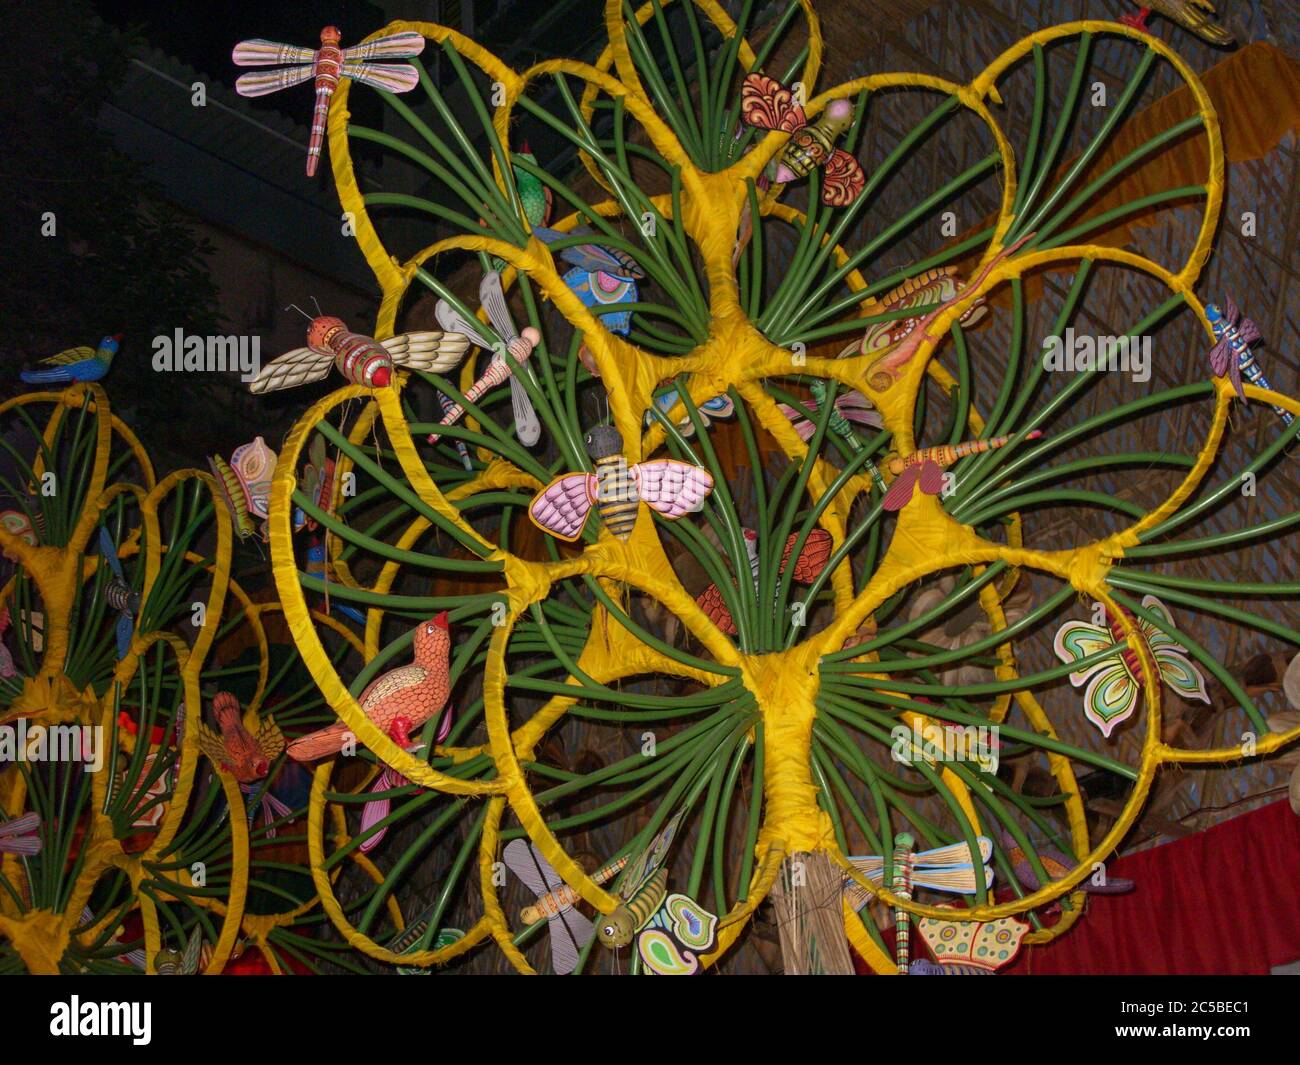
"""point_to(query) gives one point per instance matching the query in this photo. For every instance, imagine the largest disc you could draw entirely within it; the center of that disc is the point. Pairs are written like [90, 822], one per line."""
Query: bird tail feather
[319, 744]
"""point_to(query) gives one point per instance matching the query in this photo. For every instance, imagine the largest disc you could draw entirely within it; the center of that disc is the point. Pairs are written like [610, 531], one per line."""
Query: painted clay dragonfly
[327, 64]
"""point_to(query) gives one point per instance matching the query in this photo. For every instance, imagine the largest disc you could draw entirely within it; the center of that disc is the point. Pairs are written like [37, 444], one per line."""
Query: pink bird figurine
[244, 756]
[398, 702]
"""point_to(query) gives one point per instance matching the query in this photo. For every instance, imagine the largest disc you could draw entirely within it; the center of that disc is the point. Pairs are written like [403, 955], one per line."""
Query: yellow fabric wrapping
[926, 540]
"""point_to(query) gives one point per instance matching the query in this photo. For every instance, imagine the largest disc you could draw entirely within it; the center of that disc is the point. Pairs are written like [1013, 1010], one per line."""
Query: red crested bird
[244, 756]
[398, 702]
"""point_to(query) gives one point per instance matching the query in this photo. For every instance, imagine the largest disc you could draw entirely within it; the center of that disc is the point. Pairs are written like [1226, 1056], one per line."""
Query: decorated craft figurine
[671, 930]
[570, 930]
[75, 364]
[362, 360]
[924, 469]
[169, 962]
[968, 948]
[601, 276]
[711, 409]
[616, 489]
[119, 595]
[768, 104]
[1114, 685]
[1057, 865]
[807, 567]
[947, 869]
[1195, 15]
[318, 567]
[6, 656]
[376, 809]
[21, 835]
[535, 197]
[899, 341]
[327, 64]
[850, 406]
[510, 354]
[1232, 356]
[245, 483]
[244, 756]
[399, 701]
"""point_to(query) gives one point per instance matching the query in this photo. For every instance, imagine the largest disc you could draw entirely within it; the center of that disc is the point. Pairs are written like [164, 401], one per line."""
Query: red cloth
[1225, 901]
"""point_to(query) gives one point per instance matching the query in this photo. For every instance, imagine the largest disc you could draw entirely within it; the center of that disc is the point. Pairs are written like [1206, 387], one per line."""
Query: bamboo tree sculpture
[609, 701]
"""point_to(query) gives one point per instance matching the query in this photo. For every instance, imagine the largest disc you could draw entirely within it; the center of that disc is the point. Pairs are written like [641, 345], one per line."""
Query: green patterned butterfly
[1114, 684]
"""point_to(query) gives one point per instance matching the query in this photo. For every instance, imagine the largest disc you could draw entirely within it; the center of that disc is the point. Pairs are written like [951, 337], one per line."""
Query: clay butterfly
[1114, 684]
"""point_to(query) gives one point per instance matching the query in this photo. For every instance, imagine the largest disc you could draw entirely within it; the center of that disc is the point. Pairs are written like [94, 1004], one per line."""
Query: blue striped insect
[1232, 354]
[119, 595]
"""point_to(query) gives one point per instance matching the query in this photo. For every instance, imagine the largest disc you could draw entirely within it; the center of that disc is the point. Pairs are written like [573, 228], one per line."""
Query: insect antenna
[295, 307]
[318, 310]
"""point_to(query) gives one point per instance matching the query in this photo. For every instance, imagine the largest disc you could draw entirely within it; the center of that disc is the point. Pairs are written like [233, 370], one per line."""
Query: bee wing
[453, 322]
[767, 104]
[900, 492]
[562, 507]
[301, 366]
[432, 351]
[190, 959]
[842, 179]
[673, 488]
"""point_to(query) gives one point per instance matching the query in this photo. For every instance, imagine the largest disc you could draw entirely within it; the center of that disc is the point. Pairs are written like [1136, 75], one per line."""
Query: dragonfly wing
[20, 826]
[263, 53]
[671, 487]
[900, 492]
[930, 479]
[432, 351]
[391, 46]
[391, 77]
[453, 322]
[871, 866]
[1221, 357]
[109, 551]
[562, 507]
[493, 298]
[125, 628]
[527, 427]
[271, 81]
[570, 931]
[301, 366]
[524, 860]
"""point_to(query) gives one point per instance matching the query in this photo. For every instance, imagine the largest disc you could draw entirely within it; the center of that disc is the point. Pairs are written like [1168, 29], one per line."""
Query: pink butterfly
[616, 489]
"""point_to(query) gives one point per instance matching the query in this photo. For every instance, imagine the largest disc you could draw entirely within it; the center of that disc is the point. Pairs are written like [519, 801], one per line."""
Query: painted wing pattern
[432, 351]
[767, 104]
[391, 77]
[269, 81]
[301, 366]
[673, 488]
[570, 930]
[562, 507]
[395, 680]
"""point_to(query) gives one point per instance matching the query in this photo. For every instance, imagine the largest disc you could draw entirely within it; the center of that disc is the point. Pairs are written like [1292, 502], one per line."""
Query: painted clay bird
[811, 561]
[398, 702]
[75, 364]
[21, 835]
[1057, 865]
[244, 756]
[1194, 15]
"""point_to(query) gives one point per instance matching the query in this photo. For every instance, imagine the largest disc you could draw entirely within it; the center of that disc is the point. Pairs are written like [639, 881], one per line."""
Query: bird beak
[441, 620]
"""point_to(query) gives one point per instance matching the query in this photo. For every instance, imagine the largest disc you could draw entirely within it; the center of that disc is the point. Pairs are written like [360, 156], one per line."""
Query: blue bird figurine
[75, 364]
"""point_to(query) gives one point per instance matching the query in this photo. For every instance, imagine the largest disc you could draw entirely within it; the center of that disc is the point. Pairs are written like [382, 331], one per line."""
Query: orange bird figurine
[244, 756]
[398, 702]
